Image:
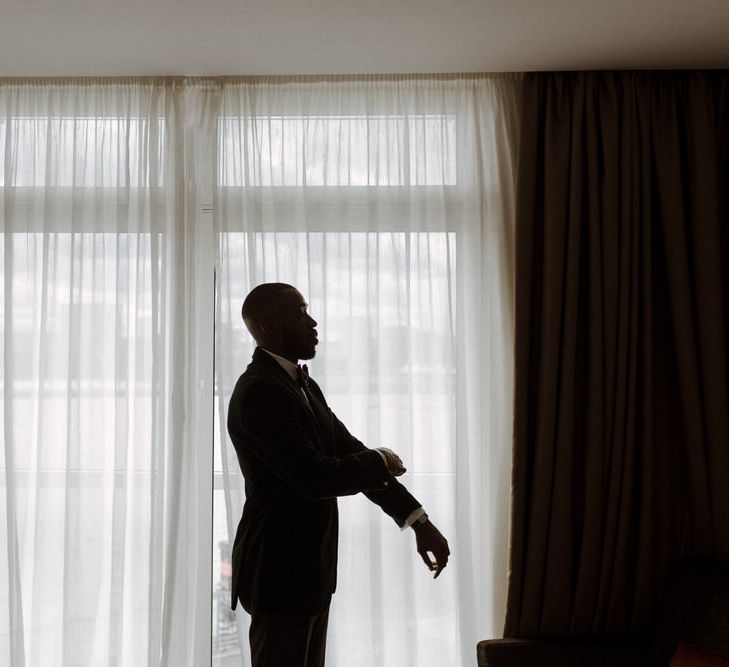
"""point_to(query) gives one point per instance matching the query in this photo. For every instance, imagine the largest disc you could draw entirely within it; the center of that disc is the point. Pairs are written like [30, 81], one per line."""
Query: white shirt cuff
[414, 515]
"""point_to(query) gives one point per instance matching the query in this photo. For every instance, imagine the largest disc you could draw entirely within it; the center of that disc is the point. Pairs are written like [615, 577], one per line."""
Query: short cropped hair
[261, 300]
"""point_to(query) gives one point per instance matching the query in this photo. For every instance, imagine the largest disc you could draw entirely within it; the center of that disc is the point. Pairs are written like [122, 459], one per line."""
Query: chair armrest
[561, 653]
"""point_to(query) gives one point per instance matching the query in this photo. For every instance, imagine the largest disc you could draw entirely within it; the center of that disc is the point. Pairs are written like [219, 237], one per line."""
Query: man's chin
[307, 354]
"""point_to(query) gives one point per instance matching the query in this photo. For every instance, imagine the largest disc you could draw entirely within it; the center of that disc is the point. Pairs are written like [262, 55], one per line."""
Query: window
[81, 332]
[385, 306]
[311, 151]
[78, 151]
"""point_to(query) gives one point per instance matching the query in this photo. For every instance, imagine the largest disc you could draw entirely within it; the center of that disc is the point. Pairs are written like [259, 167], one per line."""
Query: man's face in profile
[297, 328]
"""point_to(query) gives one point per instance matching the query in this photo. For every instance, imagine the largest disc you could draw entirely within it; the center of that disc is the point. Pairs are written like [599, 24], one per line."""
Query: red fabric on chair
[689, 656]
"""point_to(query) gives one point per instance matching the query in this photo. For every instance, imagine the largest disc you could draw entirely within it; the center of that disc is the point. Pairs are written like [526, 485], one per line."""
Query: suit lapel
[314, 409]
[322, 419]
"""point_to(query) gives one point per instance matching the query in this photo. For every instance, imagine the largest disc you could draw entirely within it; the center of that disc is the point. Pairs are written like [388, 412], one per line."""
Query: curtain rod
[272, 79]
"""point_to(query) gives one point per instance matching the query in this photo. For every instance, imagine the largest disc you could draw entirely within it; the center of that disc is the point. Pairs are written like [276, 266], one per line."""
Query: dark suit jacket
[296, 460]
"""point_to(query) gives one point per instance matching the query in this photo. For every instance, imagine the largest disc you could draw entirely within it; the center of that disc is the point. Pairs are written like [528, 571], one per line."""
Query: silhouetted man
[297, 457]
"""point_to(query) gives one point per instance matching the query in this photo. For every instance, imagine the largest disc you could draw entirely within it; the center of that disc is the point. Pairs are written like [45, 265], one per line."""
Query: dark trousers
[288, 640]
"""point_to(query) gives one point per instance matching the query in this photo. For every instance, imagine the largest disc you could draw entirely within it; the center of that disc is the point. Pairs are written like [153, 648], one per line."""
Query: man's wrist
[421, 520]
[412, 517]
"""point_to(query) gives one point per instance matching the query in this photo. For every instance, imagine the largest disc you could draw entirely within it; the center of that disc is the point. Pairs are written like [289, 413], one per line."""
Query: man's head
[275, 315]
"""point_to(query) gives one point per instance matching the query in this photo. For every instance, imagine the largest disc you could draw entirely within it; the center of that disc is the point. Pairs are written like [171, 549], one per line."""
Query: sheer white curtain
[123, 204]
[105, 516]
[388, 202]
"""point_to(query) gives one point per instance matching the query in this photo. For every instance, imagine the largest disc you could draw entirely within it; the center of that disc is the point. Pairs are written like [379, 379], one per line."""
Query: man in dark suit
[296, 458]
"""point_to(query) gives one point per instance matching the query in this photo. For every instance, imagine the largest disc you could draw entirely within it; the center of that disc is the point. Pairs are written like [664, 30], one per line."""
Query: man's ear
[267, 327]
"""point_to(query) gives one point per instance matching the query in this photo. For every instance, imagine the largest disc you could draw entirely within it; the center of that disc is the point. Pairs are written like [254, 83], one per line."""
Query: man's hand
[432, 547]
[392, 461]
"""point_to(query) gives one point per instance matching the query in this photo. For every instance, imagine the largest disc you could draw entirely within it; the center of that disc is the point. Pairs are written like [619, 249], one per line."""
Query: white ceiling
[227, 37]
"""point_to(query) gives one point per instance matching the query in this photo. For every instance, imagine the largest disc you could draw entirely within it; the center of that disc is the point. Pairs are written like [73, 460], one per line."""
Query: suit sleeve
[393, 498]
[265, 421]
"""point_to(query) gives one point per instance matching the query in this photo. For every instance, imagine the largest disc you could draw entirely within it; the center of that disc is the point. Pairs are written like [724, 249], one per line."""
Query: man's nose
[312, 321]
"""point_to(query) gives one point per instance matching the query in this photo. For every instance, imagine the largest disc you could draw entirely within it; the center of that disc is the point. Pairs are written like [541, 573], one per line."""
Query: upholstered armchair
[691, 630]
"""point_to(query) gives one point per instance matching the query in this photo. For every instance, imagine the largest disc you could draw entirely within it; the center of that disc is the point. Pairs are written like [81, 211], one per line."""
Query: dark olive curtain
[621, 438]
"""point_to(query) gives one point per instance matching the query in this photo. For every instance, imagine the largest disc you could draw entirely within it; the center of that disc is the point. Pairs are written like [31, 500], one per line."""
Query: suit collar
[263, 359]
[289, 366]
[260, 356]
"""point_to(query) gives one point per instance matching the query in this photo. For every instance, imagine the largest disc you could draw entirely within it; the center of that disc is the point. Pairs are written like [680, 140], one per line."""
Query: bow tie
[302, 375]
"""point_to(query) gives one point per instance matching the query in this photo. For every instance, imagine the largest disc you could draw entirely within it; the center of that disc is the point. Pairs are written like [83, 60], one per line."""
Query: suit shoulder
[251, 378]
[254, 382]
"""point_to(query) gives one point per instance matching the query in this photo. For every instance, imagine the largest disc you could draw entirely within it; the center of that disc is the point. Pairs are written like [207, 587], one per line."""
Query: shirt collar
[287, 365]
